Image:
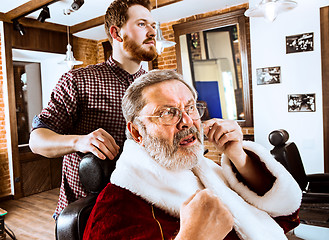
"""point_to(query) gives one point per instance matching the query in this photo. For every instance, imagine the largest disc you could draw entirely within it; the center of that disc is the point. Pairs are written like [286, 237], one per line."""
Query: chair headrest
[95, 173]
[278, 137]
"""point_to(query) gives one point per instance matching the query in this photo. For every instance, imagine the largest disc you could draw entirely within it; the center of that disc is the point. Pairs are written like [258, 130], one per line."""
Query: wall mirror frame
[220, 21]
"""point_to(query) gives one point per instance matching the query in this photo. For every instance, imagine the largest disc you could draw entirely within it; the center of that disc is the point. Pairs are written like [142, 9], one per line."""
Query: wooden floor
[31, 217]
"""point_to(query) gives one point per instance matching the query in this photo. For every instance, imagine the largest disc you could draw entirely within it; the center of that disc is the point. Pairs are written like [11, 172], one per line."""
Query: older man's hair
[117, 13]
[133, 100]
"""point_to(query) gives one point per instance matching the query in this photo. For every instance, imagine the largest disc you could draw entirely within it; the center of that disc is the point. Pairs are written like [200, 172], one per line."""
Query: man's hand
[226, 136]
[98, 142]
[204, 216]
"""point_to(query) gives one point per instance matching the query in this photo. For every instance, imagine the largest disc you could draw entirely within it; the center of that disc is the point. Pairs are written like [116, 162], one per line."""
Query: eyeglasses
[172, 115]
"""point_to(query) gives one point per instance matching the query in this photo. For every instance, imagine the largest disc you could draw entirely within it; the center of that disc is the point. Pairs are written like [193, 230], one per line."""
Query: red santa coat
[120, 214]
[144, 199]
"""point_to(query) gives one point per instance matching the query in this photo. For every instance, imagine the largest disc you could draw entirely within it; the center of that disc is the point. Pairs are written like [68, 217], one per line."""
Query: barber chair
[315, 201]
[315, 187]
[94, 175]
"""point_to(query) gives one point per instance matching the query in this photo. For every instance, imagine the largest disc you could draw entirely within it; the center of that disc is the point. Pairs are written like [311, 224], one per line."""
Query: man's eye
[168, 112]
[190, 108]
[141, 24]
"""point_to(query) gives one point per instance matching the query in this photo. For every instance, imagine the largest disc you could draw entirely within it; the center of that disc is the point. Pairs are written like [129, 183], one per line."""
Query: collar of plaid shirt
[121, 74]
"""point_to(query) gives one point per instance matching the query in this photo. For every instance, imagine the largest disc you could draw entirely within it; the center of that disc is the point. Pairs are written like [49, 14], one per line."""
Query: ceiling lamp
[161, 42]
[69, 59]
[270, 9]
[44, 14]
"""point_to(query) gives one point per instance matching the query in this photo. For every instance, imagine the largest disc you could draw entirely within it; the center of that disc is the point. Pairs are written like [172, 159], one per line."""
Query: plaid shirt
[84, 100]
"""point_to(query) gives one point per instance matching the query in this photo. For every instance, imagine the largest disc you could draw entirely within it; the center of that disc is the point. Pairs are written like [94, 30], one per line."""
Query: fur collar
[140, 174]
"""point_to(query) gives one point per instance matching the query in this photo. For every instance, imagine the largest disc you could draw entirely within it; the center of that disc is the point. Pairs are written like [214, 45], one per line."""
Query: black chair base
[73, 219]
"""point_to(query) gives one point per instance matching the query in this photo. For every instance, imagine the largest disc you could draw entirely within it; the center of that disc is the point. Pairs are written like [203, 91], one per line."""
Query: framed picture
[299, 43]
[268, 75]
[301, 102]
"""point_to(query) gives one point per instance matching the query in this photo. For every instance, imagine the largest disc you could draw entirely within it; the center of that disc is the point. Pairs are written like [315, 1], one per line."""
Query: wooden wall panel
[35, 177]
[56, 172]
[39, 173]
[40, 40]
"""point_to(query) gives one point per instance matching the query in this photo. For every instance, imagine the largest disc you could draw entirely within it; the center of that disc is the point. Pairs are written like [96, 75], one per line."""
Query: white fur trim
[283, 198]
[140, 174]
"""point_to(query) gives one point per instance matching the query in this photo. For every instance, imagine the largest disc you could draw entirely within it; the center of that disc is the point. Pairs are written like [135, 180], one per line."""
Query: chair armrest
[72, 220]
[318, 183]
[318, 177]
[309, 197]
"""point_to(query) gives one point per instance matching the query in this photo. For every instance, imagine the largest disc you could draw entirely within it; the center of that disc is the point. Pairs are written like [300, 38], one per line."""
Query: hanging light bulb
[69, 58]
[270, 9]
[161, 42]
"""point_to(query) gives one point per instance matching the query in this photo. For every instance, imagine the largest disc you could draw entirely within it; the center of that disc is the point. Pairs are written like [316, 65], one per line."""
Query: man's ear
[133, 129]
[114, 31]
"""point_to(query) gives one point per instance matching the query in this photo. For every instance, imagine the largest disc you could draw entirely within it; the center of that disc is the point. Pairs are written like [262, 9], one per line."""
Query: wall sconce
[44, 14]
[18, 27]
[270, 9]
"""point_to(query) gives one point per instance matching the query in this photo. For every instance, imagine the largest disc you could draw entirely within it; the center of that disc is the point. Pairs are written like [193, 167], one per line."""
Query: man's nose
[151, 31]
[185, 122]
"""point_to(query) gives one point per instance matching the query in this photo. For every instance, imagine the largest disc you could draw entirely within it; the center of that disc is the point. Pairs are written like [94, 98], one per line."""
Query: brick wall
[85, 50]
[5, 188]
[100, 51]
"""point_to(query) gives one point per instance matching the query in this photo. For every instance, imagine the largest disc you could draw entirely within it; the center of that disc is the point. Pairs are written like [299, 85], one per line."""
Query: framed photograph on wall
[301, 102]
[268, 75]
[299, 43]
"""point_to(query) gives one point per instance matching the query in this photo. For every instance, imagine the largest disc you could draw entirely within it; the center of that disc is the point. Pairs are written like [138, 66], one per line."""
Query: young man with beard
[84, 113]
[164, 188]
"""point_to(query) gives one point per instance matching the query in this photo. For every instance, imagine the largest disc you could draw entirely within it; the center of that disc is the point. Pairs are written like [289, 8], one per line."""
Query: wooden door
[38, 173]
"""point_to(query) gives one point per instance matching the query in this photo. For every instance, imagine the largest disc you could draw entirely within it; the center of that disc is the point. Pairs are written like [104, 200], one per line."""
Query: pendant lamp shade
[161, 42]
[270, 9]
[69, 58]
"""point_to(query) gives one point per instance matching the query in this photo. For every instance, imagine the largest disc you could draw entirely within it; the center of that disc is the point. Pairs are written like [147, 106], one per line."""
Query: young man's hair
[133, 100]
[117, 13]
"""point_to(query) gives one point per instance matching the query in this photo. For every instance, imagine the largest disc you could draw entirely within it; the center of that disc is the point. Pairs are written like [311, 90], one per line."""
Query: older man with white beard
[164, 188]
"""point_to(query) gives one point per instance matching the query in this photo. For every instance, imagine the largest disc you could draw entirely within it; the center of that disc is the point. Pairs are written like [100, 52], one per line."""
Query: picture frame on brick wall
[268, 75]
[300, 43]
[301, 102]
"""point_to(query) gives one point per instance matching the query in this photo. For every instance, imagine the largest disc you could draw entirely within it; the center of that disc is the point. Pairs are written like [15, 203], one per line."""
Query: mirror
[212, 56]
